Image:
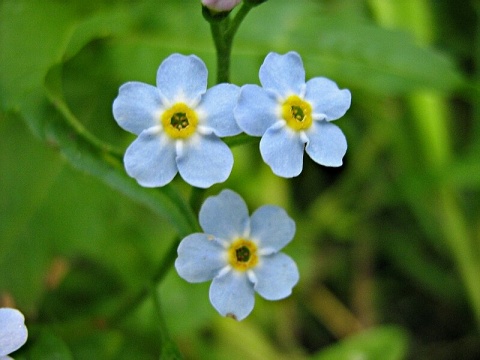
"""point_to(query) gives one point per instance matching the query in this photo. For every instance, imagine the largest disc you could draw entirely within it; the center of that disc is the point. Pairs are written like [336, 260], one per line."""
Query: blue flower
[240, 253]
[178, 124]
[289, 113]
[13, 332]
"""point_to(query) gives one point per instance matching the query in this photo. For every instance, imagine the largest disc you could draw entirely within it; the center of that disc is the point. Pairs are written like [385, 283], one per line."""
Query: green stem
[54, 94]
[223, 32]
[184, 207]
[169, 349]
[133, 302]
[218, 29]
[236, 21]
[196, 198]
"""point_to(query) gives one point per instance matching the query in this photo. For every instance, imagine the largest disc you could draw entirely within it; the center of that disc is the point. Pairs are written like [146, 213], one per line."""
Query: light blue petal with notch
[283, 74]
[204, 161]
[217, 105]
[225, 215]
[150, 159]
[271, 227]
[282, 150]
[232, 295]
[326, 143]
[276, 276]
[200, 258]
[182, 78]
[256, 110]
[326, 98]
[136, 107]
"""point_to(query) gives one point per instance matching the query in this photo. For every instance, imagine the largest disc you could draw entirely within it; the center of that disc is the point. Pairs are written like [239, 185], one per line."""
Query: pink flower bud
[220, 5]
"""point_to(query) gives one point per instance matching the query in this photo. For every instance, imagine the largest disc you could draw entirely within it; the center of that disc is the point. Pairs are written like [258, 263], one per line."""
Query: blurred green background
[388, 245]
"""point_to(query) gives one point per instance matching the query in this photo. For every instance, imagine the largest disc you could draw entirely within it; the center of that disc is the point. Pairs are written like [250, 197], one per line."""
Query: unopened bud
[220, 5]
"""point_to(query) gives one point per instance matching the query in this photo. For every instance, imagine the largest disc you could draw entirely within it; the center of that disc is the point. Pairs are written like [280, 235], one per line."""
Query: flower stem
[223, 32]
[169, 349]
[236, 21]
[223, 50]
[132, 303]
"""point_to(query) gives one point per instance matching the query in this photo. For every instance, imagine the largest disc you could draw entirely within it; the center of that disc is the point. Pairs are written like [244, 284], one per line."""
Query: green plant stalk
[169, 349]
[223, 51]
[223, 33]
[133, 302]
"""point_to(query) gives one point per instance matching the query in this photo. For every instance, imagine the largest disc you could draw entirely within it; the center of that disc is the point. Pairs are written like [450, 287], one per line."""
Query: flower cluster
[13, 332]
[179, 125]
[179, 122]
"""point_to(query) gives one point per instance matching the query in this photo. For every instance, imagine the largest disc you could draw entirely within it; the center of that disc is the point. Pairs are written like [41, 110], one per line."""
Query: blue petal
[276, 276]
[200, 258]
[150, 159]
[182, 78]
[282, 150]
[136, 106]
[224, 215]
[217, 105]
[326, 98]
[326, 144]
[272, 227]
[256, 110]
[205, 161]
[13, 332]
[232, 295]
[283, 74]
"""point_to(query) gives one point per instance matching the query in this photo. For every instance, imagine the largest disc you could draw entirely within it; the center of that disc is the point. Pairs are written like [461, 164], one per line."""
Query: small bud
[220, 5]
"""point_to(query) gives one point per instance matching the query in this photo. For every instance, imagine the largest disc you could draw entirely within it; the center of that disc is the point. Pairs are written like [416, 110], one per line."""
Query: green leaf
[383, 343]
[39, 34]
[86, 157]
[347, 47]
[53, 41]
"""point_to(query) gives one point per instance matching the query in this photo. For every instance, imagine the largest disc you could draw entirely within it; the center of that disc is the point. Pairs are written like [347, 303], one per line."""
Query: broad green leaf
[69, 35]
[348, 48]
[108, 168]
[383, 343]
[39, 34]
[34, 34]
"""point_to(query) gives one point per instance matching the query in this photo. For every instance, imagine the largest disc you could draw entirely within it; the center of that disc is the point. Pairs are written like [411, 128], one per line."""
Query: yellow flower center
[242, 254]
[180, 121]
[297, 113]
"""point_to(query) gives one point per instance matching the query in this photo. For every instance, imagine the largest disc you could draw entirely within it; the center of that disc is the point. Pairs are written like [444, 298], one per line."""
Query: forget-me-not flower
[289, 113]
[178, 124]
[13, 332]
[240, 253]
